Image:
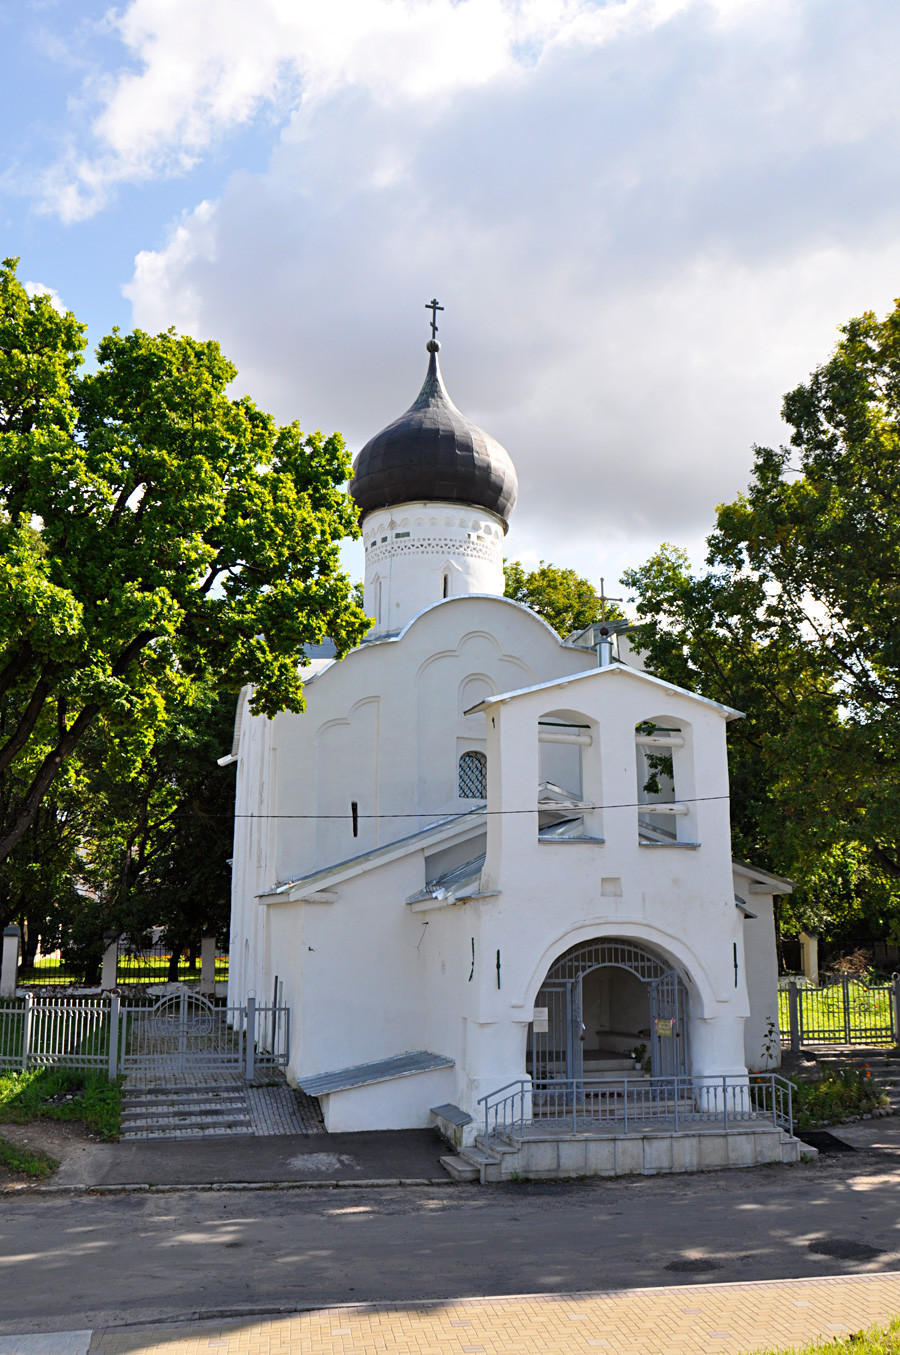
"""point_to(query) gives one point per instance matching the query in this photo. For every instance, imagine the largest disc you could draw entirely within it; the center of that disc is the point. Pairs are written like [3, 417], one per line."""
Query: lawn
[24, 1162]
[131, 969]
[62, 1094]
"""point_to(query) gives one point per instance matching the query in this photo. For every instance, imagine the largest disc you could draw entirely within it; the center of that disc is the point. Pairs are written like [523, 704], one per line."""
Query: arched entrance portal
[604, 998]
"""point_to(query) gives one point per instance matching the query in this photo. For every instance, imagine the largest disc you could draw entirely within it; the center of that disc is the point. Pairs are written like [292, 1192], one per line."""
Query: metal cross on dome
[603, 601]
[433, 306]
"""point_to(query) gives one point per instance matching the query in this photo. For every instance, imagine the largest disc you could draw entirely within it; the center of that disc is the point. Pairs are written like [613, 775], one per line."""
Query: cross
[433, 306]
[603, 601]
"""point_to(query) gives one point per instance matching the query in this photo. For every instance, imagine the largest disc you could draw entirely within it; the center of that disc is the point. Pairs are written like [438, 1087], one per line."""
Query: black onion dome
[433, 452]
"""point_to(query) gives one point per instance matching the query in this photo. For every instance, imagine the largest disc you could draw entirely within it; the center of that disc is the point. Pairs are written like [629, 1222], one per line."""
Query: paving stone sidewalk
[708, 1319]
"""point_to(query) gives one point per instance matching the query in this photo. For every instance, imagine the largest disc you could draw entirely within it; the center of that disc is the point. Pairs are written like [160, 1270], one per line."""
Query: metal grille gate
[559, 1052]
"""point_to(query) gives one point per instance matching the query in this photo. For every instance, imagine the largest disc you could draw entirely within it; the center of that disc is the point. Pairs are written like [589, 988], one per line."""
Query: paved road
[81, 1261]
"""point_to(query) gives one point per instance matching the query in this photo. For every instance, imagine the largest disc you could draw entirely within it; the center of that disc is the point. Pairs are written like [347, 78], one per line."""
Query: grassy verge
[872, 1341]
[62, 1094]
[836, 1097]
[24, 1162]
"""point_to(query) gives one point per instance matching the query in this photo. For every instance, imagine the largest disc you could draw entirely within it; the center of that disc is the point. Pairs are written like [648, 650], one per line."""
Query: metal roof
[434, 453]
[382, 1070]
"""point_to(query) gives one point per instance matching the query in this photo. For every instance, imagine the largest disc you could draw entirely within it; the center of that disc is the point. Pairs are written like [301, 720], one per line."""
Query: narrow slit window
[354, 814]
[446, 585]
[473, 776]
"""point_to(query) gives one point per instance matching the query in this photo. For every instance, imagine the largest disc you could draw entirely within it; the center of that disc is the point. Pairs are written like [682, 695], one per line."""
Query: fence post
[207, 966]
[845, 990]
[9, 963]
[113, 1067]
[250, 1047]
[110, 971]
[895, 993]
[794, 1015]
[26, 1030]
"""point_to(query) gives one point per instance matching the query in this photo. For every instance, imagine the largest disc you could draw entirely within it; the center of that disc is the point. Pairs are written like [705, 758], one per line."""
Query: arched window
[473, 776]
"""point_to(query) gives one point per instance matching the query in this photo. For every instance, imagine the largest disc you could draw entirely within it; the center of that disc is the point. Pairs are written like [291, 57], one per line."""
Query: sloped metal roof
[382, 1070]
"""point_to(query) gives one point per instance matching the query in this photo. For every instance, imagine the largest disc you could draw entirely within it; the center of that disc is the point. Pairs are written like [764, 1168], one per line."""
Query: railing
[179, 1033]
[843, 1011]
[634, 1104]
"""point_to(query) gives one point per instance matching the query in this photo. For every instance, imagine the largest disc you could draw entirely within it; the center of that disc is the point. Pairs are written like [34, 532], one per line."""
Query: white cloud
[201, 68]
[646, 228]
[41, 289]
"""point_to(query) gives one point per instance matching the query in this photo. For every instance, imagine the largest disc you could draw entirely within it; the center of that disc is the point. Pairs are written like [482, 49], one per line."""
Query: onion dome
[434, 453]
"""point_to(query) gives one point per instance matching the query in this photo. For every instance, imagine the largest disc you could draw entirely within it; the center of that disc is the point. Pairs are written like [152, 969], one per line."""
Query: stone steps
[185, 1112]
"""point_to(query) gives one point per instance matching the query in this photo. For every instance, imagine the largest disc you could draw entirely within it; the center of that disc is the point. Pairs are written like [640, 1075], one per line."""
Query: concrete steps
[594, 1068]
[185, 1112]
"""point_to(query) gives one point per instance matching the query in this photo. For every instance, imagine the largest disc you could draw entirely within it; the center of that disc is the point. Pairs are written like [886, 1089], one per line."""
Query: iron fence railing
[843, 1011]
[626, 1105]
[148, 965]
[179, 1033]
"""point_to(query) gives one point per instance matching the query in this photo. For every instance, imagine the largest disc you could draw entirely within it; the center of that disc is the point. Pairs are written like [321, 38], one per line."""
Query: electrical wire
[541, 809]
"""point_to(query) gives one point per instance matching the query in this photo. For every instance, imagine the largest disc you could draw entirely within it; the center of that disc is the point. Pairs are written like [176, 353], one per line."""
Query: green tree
[795, 621]
[155, 535]
[565, 600]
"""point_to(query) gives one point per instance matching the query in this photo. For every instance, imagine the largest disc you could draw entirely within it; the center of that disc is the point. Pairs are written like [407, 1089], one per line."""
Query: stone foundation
[555, 1157]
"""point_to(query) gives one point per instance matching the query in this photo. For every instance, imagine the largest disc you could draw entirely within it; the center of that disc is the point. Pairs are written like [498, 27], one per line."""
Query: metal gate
[558, 1052]
[184, 1033]
[843, 1011]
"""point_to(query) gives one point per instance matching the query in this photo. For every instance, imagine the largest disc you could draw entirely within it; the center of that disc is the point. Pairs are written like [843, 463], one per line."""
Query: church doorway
[604, 1000]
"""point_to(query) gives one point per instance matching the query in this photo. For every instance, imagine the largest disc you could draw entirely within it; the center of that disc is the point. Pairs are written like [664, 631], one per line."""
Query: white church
[487, 852]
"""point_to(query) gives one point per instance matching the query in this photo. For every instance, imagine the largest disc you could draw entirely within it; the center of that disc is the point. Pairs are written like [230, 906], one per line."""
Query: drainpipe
[604, 648]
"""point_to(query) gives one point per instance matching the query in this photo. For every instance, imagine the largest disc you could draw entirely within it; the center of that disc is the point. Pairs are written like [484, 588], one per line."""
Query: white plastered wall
[419, 553]
[365, 975]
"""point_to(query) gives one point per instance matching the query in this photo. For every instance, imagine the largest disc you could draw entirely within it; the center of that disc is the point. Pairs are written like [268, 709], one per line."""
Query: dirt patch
[63, 1141]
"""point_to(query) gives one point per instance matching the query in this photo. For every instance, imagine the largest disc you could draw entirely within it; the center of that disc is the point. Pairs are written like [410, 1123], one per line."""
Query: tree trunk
[177, 948]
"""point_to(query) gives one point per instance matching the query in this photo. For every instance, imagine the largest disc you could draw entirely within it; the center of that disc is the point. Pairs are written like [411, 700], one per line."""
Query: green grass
[872, 1341]
[62, 1094]
[131, 969]
[25, 1162]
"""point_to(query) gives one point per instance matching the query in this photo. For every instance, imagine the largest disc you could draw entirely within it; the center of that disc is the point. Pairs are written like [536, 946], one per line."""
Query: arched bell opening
[600, 1002]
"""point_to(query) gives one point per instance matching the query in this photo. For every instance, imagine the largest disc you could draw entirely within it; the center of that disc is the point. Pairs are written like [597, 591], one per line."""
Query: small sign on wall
[665, 1026]
[541, 1020]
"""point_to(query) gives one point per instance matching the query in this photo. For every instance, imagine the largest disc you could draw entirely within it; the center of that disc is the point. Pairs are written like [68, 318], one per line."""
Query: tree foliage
[566, 601]
[156, 536]
[795, 622]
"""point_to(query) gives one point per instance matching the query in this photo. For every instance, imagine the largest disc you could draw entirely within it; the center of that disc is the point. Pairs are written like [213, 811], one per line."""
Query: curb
[243, 1312]
[372, 1183]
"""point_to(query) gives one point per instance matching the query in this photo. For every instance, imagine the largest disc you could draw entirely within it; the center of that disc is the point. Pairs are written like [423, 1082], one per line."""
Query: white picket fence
[172, 1036]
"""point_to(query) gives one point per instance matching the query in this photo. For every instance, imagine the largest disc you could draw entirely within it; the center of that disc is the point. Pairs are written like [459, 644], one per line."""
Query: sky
[646, 219]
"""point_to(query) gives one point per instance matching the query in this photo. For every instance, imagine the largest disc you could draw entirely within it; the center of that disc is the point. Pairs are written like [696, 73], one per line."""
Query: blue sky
[645, 218]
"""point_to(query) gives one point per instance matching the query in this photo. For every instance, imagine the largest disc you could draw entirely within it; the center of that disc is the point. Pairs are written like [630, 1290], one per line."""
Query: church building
[487, 852]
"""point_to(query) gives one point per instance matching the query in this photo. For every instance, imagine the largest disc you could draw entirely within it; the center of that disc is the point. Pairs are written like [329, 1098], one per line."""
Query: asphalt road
[73, 1261]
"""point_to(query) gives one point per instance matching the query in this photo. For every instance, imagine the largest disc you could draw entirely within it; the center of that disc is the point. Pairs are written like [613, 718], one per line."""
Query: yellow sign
[665, 1025]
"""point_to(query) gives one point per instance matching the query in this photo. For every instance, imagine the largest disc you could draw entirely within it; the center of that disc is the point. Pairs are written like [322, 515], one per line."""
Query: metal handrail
[678, 1101]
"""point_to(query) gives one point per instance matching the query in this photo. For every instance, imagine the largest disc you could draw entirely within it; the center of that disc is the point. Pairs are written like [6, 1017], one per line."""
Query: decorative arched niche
[569, 788]
[665, 789]
[471, 749]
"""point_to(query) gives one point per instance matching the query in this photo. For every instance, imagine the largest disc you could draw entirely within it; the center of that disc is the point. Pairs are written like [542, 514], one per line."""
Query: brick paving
[284, 1110]
[217, 1109]
[708, 1319]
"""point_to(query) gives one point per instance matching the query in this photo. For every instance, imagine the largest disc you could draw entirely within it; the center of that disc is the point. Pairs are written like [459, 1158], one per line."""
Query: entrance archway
[604, 998]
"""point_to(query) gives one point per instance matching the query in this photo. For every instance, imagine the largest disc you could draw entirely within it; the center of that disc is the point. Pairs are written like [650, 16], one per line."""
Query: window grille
[473, 776]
